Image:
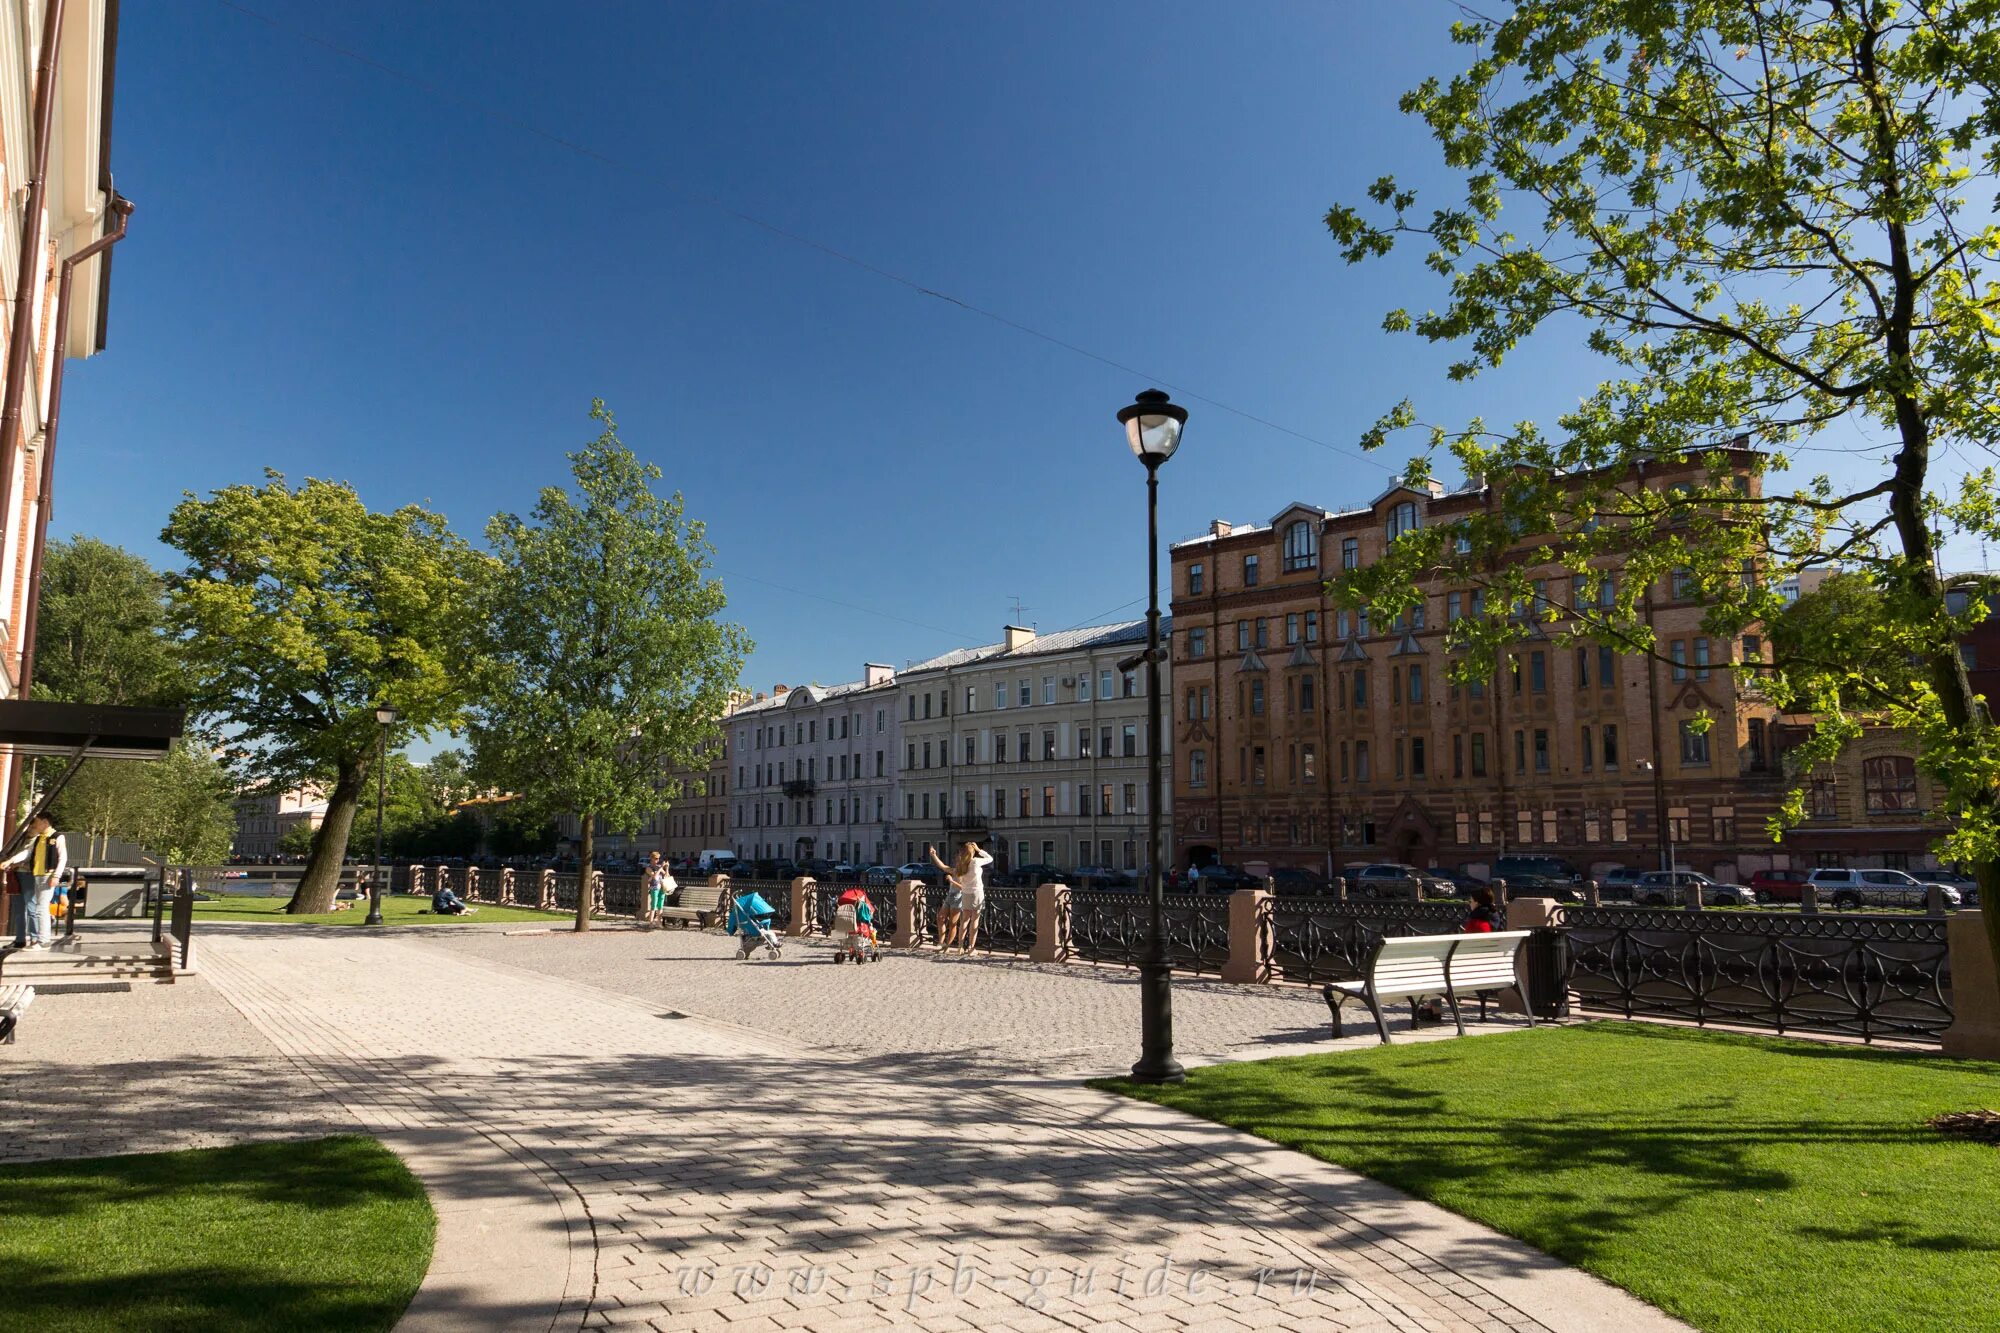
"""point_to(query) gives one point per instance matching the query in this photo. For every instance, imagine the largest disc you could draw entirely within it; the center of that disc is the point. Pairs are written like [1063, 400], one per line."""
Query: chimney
[1018, 636]
[874, 673]
[780, 691]
[760, 697]
[1220, 528]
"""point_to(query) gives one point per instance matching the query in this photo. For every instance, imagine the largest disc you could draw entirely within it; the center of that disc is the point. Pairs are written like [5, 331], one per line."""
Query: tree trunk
[587, 848]
[321, 881]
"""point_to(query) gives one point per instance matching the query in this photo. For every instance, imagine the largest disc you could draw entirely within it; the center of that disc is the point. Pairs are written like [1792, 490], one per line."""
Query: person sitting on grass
[446, 903]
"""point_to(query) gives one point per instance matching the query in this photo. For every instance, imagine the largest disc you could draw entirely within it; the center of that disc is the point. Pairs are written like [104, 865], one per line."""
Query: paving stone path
[633, 1130]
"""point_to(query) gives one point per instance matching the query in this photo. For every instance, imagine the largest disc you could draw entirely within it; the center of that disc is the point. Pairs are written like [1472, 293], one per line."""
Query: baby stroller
[750, 921]
[853, 930]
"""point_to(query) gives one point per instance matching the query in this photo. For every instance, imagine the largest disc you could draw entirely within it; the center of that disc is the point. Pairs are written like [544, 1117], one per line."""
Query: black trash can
[1545, 969]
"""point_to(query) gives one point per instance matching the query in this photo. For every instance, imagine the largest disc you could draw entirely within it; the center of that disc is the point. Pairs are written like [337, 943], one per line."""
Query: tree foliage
[611, 662]
[1771, 221]
[100, 630]
[300, 612]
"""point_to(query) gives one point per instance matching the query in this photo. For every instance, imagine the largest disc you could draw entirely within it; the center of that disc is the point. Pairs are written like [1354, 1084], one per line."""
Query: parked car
[1298, 879]
[1619, 882]
[1463, 881]
[1512, 868]
[1219, 878]
[922, 871]
[1668, 888]
[1393, 879]
[1101, 877]
[1967, 886]
[816, 866]
[1846, 888]
[1780, 886]
[1028, 876]
[880, 876]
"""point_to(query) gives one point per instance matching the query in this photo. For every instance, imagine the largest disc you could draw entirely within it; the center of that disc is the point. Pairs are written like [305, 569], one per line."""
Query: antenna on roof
[1019, 611]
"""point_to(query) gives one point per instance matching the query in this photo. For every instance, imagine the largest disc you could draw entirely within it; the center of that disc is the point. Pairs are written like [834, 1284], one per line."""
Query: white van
[719, 861]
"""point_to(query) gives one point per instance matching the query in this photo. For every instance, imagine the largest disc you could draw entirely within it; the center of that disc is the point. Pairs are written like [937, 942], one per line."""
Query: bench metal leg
[1451, 998]
[1333, 999]
[1375, 1007]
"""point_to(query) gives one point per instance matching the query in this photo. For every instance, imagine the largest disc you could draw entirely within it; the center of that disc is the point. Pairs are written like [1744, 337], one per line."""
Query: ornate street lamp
[1153, 430]
[385, 717]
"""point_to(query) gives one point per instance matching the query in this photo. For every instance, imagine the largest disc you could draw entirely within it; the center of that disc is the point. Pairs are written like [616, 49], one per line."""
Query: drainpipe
[121, 210]
[21, 327]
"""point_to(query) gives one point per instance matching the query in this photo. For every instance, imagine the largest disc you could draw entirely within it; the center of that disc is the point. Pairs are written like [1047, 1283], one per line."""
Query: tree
[106, 799]
[1765, 218]
[297, 839]
[100, 629]
[187, 817]
[298, 614]
[610, 662]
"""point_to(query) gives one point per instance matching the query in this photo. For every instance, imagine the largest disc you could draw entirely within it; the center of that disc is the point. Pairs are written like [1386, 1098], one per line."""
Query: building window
[1309, 757]
[1027, 693]
[1757, 760]
[999, 694]
[1021, 743]
[1417, 756]
[1361, 761]
[1263, 639]
[1131, 798]
[1249, 571]
[1129, 738]
[1197, 642]
[1478, 754]
[1823, 796]
[1889, 784]
[1048, 801]
[1048, 745]
[1022, 798]
[1402, 519]
[1256, 765]
[1083, 742]
[1292, 627]
[1197, 770]
[1361, 688]
[1312, 627]
[1520, 752]
[1724, 819]
[1538, 672]
[1416, 690]
[1678, 651]
[1610, 739]
[1256, 698]
[1683, 584]
[1048, 689]
[1104, 684]
[1197, 580]
[1701, 659]
[1694, 744]
[1350, 553]
[1301, 546]
[1753, 648]
[1454, 606]
[1541, 750]
[1306, 702]
[1589, 755]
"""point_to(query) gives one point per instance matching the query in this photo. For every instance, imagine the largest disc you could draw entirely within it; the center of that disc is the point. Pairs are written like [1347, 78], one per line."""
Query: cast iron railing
[1109, 927]
[1863, 975]
[1007, 921]
[1316, 941]
[826, 900]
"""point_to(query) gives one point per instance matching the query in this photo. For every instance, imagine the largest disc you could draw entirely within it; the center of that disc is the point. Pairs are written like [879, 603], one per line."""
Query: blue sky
[335, 271]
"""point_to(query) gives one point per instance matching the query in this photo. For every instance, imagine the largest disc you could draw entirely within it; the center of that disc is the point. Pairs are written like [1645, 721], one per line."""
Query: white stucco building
[813, 772]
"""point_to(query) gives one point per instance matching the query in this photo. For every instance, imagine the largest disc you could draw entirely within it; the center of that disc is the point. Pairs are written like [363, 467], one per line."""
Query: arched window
[1889, 783]
[1402, 519]
[1301, 546]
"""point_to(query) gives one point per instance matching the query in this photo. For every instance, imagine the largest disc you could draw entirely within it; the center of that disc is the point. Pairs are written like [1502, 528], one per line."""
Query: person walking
[47, 858]
[965, 898]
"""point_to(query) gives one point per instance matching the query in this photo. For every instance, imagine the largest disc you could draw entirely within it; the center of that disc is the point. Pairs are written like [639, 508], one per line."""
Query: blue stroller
[750, 921]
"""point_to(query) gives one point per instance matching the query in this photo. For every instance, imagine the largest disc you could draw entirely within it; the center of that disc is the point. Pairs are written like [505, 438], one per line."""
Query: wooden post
[1051, 924]
[1249, 943]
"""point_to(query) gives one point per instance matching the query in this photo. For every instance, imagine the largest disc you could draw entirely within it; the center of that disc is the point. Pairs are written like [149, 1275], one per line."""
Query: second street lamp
[385, 717]
[1153, 430]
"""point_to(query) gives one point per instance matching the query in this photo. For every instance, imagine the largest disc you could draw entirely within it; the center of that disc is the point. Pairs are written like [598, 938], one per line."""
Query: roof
[1044, 645]
[810, 694]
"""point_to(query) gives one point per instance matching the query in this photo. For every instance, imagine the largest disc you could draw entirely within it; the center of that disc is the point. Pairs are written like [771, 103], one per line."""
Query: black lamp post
[1153, 430]
[386, 717]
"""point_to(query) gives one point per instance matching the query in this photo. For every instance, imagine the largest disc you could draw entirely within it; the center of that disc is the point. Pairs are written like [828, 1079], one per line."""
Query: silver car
[1843, 887]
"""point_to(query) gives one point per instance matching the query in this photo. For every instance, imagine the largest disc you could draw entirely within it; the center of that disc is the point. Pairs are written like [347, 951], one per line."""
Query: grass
[1744, 1184]
[329, 1234]
[397, 910]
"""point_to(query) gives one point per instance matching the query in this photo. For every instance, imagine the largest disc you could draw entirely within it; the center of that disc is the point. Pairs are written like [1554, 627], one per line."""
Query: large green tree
[300, 611]
[1768, 220]
[611, 660]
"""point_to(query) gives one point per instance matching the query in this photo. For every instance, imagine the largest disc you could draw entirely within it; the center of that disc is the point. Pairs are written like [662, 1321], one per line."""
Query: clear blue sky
[333, 272]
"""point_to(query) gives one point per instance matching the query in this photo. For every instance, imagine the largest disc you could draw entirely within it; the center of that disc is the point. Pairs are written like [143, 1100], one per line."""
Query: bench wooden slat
[1410, 966]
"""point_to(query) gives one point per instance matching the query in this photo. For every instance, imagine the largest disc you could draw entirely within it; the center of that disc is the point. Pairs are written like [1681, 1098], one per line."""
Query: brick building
[1316, 735]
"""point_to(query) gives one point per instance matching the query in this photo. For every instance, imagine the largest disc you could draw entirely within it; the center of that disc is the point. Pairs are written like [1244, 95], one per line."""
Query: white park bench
[14, 1001]
[1411, 967]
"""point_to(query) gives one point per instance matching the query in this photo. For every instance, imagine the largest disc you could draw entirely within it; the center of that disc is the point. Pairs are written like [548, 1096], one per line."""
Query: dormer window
[1402, 519]
[1301, 546]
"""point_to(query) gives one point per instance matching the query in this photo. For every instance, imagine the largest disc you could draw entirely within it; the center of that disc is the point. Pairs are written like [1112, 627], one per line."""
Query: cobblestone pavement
[1046, 1017]
[780, 1171]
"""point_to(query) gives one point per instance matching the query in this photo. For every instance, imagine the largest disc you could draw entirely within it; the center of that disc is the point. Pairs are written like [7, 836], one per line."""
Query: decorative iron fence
[1865, 976]
[1318, 940]
[1109, 927]
[778, 893]
[1007, 921]
[826, 900]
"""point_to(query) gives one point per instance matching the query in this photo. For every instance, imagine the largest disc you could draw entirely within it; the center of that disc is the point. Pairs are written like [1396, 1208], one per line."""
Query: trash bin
[1546, 971]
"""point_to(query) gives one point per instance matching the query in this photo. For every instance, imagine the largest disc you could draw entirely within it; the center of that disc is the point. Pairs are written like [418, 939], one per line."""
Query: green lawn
[1741, 1183]
[396, 911]
[329, 1234]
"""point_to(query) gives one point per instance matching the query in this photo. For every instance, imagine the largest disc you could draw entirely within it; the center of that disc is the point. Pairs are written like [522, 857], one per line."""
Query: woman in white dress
[964, 898]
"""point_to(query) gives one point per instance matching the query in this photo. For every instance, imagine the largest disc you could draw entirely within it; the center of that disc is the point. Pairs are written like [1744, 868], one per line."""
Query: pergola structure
[76, 732]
